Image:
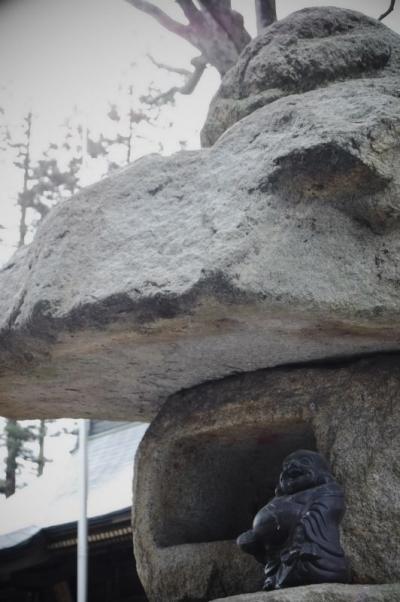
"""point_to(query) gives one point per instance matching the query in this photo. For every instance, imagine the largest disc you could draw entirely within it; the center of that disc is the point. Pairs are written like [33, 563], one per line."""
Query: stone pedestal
[327, 593]
[212, 456]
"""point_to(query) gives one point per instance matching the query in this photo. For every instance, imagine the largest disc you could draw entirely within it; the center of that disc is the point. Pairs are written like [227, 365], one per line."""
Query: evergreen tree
[56, 174]
[15, 439]
[43, 183]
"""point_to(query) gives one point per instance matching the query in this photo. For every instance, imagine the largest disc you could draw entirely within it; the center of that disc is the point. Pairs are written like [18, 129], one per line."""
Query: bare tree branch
[189, 9]
[188, 87]
[389, 10]
[170, 68]
[165, 20]
[215, 29]
[199, 64]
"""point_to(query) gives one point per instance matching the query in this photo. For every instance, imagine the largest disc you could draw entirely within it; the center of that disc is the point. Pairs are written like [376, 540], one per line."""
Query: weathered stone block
[310, 49]
[327, 593]
[279, 244]
[212, 456]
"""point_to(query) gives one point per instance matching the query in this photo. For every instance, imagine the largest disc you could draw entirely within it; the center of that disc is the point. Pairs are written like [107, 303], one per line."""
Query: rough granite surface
[280, 244]
[212, 456]
[311, 48]
[325, 593]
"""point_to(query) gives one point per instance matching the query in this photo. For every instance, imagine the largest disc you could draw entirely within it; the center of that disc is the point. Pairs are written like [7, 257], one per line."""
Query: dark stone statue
[296, 535]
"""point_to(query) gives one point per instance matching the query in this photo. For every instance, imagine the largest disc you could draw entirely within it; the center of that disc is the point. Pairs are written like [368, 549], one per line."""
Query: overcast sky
[55, 55]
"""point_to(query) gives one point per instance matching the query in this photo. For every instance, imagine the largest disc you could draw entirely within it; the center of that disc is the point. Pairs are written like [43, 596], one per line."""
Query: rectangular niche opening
[215, 483]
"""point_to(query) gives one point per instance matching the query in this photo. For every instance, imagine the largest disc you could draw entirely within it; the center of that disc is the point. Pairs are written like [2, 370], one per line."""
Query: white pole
[82, 560]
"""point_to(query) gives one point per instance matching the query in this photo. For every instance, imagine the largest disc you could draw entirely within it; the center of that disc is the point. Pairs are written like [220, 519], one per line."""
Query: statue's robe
[314, 554]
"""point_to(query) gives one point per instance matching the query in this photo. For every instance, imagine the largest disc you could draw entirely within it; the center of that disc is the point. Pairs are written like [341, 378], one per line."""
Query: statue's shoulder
[331, 489]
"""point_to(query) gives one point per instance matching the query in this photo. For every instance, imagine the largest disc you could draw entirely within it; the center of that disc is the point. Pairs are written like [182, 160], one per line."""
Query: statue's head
[301, 470]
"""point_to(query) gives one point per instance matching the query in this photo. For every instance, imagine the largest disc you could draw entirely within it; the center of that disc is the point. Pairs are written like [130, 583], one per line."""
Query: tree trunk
[11, 460]
[41, 460]
[265, 13]
[22, 200]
